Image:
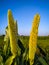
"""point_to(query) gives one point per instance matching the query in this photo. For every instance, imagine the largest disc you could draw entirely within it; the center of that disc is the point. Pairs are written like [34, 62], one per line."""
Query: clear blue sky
[24, 11]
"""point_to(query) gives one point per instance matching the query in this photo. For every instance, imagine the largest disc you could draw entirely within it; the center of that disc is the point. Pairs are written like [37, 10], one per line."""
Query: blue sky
[24, 11]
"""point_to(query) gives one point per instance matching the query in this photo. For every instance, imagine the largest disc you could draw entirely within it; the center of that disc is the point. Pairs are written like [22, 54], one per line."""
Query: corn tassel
[12, 33]
[33, 38]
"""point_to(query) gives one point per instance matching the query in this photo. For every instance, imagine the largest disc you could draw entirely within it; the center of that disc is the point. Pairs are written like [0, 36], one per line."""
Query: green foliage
[42, 61]
[1, 60]
[9, 60]
[23, 58]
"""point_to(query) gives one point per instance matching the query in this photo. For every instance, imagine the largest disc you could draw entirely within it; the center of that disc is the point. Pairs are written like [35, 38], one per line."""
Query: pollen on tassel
[33, 38]
[12, 33]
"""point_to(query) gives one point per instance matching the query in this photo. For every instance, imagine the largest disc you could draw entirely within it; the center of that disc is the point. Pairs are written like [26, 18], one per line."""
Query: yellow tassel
[12, 33]
[33, 38]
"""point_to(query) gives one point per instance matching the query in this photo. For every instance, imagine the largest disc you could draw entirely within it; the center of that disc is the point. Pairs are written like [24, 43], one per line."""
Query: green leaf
[1, 60]
[9, 60]
[42, 61]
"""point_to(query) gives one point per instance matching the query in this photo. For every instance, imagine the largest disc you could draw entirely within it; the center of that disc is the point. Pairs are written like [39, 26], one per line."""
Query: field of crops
[23, 50]
[43, 43]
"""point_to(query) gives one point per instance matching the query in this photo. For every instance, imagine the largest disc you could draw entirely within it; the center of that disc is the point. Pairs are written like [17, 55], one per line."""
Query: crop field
[43, 43]
[24, 33]
[23, 50]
